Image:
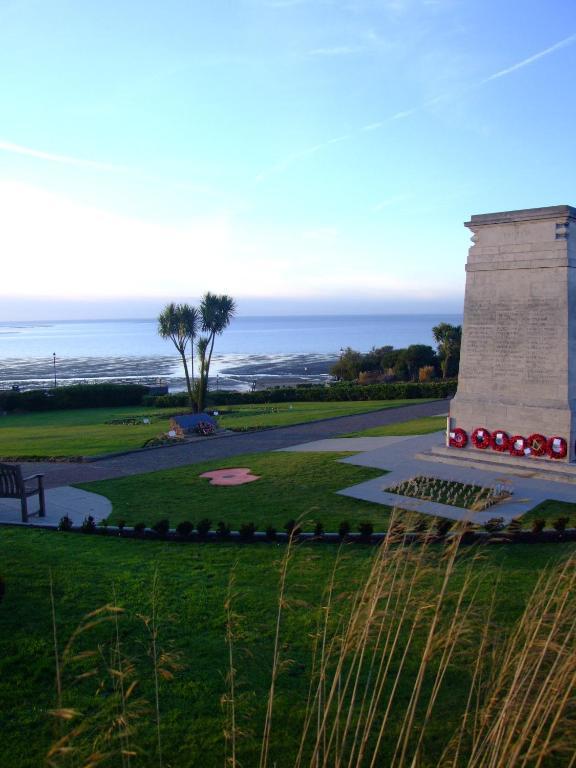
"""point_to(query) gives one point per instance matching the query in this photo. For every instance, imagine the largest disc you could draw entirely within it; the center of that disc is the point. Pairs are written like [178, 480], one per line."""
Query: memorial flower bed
[473, 497]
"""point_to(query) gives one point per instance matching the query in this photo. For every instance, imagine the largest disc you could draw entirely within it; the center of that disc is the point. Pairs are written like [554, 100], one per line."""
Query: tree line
[418, 362]
[193, 332]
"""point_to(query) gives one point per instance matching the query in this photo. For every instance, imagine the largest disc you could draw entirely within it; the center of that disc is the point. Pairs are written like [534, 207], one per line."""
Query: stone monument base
[547, 469]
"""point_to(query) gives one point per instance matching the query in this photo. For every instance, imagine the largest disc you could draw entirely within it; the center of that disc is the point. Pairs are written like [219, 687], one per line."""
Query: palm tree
[448, 337]
[216, 312]
[179, 323]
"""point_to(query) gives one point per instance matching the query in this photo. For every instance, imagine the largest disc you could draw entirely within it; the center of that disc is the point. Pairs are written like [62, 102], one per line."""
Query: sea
[251, 353]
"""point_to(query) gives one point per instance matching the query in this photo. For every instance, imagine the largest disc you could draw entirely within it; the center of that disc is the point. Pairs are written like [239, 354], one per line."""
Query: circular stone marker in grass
[232, 476]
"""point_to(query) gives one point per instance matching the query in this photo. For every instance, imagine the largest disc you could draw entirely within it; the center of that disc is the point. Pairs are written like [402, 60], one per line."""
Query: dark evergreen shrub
[271, 533]
[319, 530]
[65, 523]
[366, 530]
[161, 527]
[139, 528]
[442, 525]
[222, 529]
[203, 527]
[88, 525]
[292, 528]
[247, 531]
[184, 529]
[494, 525]
[561, 524]
[538, 525]
[344, 529]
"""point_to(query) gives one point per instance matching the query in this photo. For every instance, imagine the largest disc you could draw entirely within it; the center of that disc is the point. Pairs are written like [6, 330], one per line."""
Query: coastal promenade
[139, 462]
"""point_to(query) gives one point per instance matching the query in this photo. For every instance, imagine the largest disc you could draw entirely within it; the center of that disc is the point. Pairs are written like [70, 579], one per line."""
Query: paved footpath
[58, 474]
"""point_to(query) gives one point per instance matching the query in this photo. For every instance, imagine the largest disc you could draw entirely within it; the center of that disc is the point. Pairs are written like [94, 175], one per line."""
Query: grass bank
[173, 607]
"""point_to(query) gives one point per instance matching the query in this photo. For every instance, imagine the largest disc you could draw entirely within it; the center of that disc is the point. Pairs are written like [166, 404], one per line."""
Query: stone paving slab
[75, 503]
[339, 444]
[399, 459]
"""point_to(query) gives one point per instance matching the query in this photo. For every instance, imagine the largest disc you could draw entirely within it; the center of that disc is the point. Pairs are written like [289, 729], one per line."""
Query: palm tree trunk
[187, 376]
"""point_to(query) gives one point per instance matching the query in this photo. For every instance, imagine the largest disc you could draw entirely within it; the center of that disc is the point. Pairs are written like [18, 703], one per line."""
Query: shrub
[121, 524]
[514, 526]
[184, 529]
[222, 530]
[335, 392]
[442, 526]
[88, 525]
[292, 528]
[319, 530]
[366, 530]
[65, 524]
[75, 396]
[494, 525]
[162, 527]
[247, 531]
[271, 533]
[538, 525]
[561, 524]
[426, 373]
[203, 527]
[344, 529]
[139, 528]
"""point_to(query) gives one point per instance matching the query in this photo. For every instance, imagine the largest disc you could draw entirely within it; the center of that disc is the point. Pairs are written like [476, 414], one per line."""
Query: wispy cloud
[336, 50]
[403, 114]
[390, 201]
[18, 149]
[531, 59]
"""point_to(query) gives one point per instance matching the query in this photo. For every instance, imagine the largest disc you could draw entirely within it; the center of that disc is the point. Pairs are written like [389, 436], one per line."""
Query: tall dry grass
[384, 655]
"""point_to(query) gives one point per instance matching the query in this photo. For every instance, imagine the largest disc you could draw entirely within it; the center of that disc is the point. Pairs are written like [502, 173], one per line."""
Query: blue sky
[302, 155]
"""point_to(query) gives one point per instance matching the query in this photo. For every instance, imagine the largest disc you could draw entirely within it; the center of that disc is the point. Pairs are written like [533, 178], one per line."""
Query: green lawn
[291, 485]
[75, 433]
[413, 427]
[283, 414]
[192, 587]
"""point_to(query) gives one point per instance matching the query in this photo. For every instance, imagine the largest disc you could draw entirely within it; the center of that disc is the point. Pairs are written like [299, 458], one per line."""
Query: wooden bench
[13, 486]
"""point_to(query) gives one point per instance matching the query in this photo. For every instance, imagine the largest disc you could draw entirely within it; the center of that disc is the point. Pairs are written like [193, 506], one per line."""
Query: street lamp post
[54, 363]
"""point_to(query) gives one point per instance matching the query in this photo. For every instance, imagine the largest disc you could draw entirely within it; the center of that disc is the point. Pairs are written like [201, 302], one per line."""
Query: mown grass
[550, 511]
[240, 417]
[84, 432]
[292, 485]
[193, 588]
[413, 427]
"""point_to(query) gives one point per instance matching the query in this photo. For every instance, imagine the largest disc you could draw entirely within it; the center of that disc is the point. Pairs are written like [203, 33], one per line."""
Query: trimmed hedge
[76, 396]
[336, 392]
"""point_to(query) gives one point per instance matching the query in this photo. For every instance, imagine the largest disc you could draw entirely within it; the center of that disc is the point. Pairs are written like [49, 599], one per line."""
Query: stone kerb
[518, 360]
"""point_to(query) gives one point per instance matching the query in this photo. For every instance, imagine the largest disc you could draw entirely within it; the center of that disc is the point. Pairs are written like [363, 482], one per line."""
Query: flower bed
[473, 497]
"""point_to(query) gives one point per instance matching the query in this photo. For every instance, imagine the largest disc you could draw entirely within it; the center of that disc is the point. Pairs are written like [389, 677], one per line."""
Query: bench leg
[42, 511]
[24, 506]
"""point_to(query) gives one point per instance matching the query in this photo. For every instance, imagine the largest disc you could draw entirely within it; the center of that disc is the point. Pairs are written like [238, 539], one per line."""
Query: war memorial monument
[516, 398]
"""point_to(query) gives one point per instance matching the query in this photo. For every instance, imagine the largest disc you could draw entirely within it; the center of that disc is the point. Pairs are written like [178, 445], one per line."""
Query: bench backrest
[11, 482]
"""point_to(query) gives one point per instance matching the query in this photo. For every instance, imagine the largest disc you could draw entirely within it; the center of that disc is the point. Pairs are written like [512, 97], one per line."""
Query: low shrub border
[438, 530]
[76, 396]
[333, 393]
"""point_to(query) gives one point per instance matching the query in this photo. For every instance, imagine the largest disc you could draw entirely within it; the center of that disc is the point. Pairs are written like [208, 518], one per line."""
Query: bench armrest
[32, 477]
